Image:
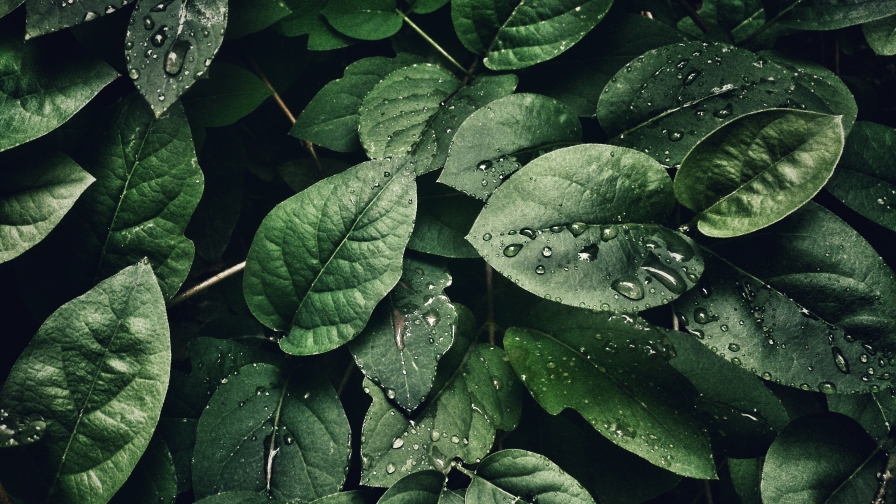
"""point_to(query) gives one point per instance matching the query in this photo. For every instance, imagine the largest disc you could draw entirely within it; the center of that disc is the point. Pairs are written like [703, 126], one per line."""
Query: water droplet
[577, 228]
[528, 233]
[90, 16]
[288, 439]
[455, 439]
[434, 435]
[628, 286]
[588, 253]
[160, 7]
[390, 468]
[397, 443]
[724, 327]
[702, 316]
[691, 77]
[513, 249]
[148, 23]
[556, 229]
[129, 45]
[608, 233]
[159, 37]
[539, 269]
[431, 317]
[666, 275]
[724, 112]
[174, 59]
[207, 62]
[827, 387]
[551, 364]
[134, 73]
[840, 361]
[390, 393]
[734, 347]
[486, 237]
[675, 136]
[546, 252]
[484, 165]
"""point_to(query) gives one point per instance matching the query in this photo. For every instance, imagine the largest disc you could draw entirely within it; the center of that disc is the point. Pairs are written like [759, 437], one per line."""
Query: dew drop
[148, 23]
[174, 59]
[539, 269]
[675, 136]
[397, 443]
[90, 16]
[134, 73]
[486, 237]
[528, 233]
[390, 468]
[159, 37]
[608, 233]
[628, 286]
[827, 387]
[691, 77]
[734, 347]
[666, 275]
[546, 252]
[839, 360]
[724, 112]
[513, 249]
[577, 228]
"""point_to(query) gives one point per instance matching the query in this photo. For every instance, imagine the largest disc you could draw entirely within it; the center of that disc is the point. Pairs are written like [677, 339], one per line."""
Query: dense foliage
[447, 251]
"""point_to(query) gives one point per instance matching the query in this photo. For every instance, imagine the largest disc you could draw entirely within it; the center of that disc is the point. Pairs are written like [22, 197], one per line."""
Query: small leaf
[300, 174]
[408, 334]
[423, 487]
[47, 17]
[756, 170]
[576, 226]
[323, 259]
[38, 186]
[170, 44]
[250, 16]
[363, 19]
[306, 19]
[281, 434]
[179, 435]
[518, 474]
[881, 35]
[875, 412]
[153, 480]
[519, 34]
[227, 95]
[44, 83]
[491, 145]
[444, 217]
[109, 352]
[833, 14]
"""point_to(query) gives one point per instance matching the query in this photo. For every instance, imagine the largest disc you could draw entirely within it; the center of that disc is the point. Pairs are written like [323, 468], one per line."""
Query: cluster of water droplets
[15, 431]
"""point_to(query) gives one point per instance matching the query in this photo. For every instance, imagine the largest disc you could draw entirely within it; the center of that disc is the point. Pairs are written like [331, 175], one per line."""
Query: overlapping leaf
[363, 19]
[881, 35]
[739, 18]
[875, 412]
[48, 17]
[250, 16]
[227, 95]
[153, 480]
[306, 19]
[510, 475]
[832, 14]
[423, 487]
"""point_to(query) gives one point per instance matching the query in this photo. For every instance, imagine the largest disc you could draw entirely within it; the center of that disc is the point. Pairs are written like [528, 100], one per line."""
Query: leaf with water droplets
[237, 498]
[423, 487]
[322, 260]
[756, 170]
[409, 332]
[614, 371]
[170, 44]
[283, 434]
[881, 35]
[227, 95]
[830, 14]
[511, 475]
[153, 480]
[46, 17]
[512, 35]
[363, 19]
[876, 412]
[109, 352]
[490, 145]
[444, 218]
[306, 19]
[577, 226]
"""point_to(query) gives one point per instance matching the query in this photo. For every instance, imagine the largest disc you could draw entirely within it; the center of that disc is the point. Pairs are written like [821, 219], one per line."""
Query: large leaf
[170, 44]
[408, 334]
[614, 371]
[227, 95]
[153, 480]
[494, 142]
[44, 82]
[875, 412]
[510, 475]
[363, 19]
[281, 434]
[323, 259]
[96, 372]
[516, 34]
[865, 178]
[250, 16]
[833, 14]
[577, 226]
[756, 170]
[881, 35]
[37, 187]
[48, 17]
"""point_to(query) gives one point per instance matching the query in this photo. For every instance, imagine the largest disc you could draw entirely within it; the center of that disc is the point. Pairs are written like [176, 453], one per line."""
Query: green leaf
[746, 477]
[517, 34]
[739, 18]
[96, 372]
[153, 480]
[323, 259]
[865, 178]
[237, 498]
[44, 83]
[306, 19]
[38, 186]
[281, 434]
[352, 497]
[444, 217]
[18, 430]
[227, 95]
[821, 458]
[876, 413]
[426, 6]
[250, 16]
[517, 474]
[300, 174]
[7, 6]
[423, 487]
[364, 19]
[179, 435]
[493, 142]
[408, 334]
[576, 226]
[170, 45]
[758, 169]
[614, 371]
[881, 35]
[833, 14]
[48, 17]
[331, 119]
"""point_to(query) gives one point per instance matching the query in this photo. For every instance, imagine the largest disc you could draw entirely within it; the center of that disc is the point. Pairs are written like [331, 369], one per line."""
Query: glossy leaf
[577, 226]
[113, 343]
[352, 497]
[44, 83]
[512, 35]
[306, 19]
[614, 371]
[408, 333]
[363, 19]
[881, 35]
[19, 430]
[514, 474]
[281, 434]
[875, 412]
[865, 178]
[227, 95]
[423, 487]
[48, 17]
[37, 188]
[153, 480]
[170, 44]
[756, 170]
[444, 217]
[490, 145]
[821, 458]
[833, 14]
[250, 16]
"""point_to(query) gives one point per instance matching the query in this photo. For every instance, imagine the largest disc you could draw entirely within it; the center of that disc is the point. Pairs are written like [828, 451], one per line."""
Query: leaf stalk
[432, 42]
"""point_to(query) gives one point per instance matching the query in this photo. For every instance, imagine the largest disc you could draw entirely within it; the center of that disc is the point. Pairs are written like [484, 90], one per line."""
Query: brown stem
[694, 16]
[490, 301]
[885, 477]
[192, 291]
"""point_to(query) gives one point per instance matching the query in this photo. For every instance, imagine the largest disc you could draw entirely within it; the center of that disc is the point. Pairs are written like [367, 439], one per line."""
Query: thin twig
[192, 291]
[431, 41]
[885, 477]
[708, 491]
[695, 17]
[345, 378]
[4, 497]
[490, 301]
[837, 56]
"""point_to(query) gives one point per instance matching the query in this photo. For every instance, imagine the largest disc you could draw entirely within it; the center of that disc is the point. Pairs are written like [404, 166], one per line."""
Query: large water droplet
[827, 387]
[513, 249]
[148, 23]
[90, 16]
[675, 136]
[134, 73]
[397, 443]
[174, 59]
[734, 347]
[159, 37]
[628, 286]
[840, 361]
[390, 468]
[607, 233]
[577, 228]
[434, 435]
[539, 269]
[486, 237]
[484, 165]
[390, 393]
[546, 252]
[431, 317]
[528, 233]
[666, 275]
[702, 316]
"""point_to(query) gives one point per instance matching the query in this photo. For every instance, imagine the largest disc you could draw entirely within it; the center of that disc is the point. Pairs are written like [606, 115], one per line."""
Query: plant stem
[695, 17]
[431, 42]
[4, 497]
[885, 477]
[192, 291]
[345, 378]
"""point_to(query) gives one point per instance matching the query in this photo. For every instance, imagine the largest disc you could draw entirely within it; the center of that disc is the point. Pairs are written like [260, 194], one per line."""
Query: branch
[432, 42]
[192, 291]
[695, 17]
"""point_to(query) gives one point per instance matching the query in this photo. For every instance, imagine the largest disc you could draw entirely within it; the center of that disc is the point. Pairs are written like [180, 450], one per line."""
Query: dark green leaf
[170, 44]
[47, 17]
[237, 498]
[44, 83]
[833, 14]
[302, 173]
[281, 434]
[426, 6]
[363, 19]
[614, 371]
[323, 259]
[7, 6]
[96, 372]
[444, 217]
[18, 430]
[757, 169]
[517, 34]
[306, 19]
[881, 35]
[493, 142]
[179, 435]
[875, 412]
[739, 18]
[250, 16]
[408, 334]
[227, 95]
[576, 226]
[153, 480]
[352, 497]
[746, 476]
[422, 487]
[510, 475]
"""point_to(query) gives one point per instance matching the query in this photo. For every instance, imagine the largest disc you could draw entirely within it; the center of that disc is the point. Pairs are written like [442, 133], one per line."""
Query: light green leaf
[577, 226]
[865, 178]
[250, 16]
[833, 14]
[875, 412]
[614, 371]
[517, 34]
[423, 487]
[444, 218]
[179, 435]
[96, 372]
[408, 333]
[822, 458]
[170, 44]
[38, 186]
[881, 35]
[227, 95]
[510, 475]
[323, 259]
[756, 170]
[495, 141]
[284, 435]
[364, 19]
[44, 83]
[153, 480]
[306, 19]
